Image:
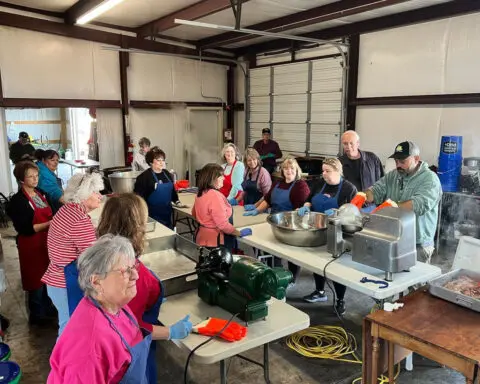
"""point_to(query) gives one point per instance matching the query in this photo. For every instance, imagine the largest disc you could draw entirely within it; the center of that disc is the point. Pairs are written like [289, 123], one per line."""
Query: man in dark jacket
[361, 168]
[269, 151]
[22, 149]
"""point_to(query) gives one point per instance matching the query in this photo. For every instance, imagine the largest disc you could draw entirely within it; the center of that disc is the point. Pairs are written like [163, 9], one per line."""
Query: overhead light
[258, 33]
[97, 11]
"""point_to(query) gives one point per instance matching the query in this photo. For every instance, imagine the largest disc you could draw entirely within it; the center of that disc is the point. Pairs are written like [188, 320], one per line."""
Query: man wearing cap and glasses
[22, 149]
[268, 150]
[413, 186]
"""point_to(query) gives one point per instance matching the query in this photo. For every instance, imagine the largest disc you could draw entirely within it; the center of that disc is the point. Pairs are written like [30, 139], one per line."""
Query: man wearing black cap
[269, 151]
[413, 186]
[22, 149]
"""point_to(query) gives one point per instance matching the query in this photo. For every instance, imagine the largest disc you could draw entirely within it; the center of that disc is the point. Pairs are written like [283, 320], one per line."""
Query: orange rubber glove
[212, 326]
[359, 199]
[386, 203]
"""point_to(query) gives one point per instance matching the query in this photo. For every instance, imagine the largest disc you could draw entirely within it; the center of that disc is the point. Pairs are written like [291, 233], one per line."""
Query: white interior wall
[438, 57]
[168, 78]
[110, 137]
[39, 132]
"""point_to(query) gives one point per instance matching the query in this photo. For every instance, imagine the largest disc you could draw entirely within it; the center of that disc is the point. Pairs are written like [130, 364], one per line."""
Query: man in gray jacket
[413, 186]
[361, 168]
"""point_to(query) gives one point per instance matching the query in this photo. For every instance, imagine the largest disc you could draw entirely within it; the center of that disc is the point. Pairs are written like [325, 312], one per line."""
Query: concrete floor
[31, 346]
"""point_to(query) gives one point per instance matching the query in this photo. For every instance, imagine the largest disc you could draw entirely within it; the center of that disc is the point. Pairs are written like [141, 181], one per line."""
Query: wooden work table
[432, 327]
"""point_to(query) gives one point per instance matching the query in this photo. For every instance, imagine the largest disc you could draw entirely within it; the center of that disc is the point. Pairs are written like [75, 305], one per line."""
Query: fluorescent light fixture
[259, 33]
[97, 11]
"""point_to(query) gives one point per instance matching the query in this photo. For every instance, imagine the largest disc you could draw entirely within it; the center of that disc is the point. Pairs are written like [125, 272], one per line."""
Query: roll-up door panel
[290, 79]
[260, 109]
[325, 139]
[290, 137]
[290, 109]
[260, 82]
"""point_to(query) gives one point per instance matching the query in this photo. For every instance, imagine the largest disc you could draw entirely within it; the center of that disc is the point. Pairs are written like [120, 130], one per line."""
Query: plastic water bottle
[68, 154]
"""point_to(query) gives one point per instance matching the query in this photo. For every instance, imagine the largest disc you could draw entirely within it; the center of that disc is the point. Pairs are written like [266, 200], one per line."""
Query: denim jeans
[60, 300]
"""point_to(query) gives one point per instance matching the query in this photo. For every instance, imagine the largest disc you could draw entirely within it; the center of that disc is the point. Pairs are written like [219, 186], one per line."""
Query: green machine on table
[239, 284]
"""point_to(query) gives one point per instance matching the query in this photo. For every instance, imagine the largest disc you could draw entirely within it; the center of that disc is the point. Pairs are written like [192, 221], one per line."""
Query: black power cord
[185, 372]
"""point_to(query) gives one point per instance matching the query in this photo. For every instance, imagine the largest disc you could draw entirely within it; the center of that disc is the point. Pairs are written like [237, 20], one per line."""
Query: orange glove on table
[212, 326]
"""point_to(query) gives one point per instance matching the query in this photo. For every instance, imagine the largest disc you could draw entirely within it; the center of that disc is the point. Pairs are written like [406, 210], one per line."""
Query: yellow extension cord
[329, 342]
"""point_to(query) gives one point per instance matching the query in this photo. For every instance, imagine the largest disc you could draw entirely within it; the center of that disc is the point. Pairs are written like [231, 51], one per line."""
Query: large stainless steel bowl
[307, 231]
[123, 182]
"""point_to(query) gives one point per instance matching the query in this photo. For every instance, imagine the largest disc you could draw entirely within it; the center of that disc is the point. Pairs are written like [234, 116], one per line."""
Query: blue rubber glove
[249, 207]
[245, 232]
[251, 213]
[303, 211]
[233, 202]
[329, 212]
[180, 329]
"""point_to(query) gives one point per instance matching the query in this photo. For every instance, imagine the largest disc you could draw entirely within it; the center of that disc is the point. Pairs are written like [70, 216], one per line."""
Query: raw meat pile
[465, 285]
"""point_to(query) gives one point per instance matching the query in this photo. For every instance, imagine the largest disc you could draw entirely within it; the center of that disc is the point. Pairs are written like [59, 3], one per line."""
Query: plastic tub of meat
[462, 284]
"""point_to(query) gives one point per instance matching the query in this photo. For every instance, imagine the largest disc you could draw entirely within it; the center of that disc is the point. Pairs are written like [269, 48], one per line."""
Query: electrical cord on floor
[382, 379]
[330, 342]
[185, 372]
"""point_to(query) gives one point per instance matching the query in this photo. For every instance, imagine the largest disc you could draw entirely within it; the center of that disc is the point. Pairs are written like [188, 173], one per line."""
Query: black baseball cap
[266, 130]
[23, 135]
[404, 150]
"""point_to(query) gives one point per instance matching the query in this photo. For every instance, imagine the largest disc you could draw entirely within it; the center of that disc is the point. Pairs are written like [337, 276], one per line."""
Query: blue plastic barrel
[450, 162]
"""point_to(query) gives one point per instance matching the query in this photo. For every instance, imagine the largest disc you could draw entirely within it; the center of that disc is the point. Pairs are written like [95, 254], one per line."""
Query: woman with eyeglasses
[155, 185]
[103, 342]
[31, 216]
[126, 215]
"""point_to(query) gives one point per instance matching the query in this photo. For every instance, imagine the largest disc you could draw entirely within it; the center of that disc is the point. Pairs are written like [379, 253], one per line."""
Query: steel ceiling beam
[192, 12]
[80, 8]
[434, 12]
[302, 19]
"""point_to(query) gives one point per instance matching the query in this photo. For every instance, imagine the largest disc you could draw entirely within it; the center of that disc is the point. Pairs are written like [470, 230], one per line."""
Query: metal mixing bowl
[292, 229]
[123, 182]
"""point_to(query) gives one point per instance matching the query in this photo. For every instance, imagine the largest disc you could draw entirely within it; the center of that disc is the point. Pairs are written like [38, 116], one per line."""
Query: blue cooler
[450, 162]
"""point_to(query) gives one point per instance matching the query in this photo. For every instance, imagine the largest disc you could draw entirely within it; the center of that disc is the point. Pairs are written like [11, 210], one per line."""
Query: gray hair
[351, 132]
[414, 149]
[238, 156]
[100, 259]
[81, 186]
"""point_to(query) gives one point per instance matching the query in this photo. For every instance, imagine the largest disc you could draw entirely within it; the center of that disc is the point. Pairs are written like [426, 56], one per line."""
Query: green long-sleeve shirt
[425, 191]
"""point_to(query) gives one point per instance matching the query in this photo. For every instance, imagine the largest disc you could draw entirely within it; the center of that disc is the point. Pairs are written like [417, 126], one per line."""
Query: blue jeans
[60, 300]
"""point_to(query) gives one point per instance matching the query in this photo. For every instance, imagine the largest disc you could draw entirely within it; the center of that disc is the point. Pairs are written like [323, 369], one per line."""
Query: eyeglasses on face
[127, 271]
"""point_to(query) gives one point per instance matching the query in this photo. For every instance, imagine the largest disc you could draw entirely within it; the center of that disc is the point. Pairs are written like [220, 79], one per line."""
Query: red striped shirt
[70, 233]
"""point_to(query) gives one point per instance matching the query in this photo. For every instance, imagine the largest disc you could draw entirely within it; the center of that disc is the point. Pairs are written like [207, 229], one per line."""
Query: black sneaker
[340, 307]
[316, 297]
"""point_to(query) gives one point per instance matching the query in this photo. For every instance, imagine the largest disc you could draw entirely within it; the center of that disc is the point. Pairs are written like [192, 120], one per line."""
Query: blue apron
[137, 370]
[250, 187]
[160, 202]
[281, 199]
[151, 317]
[74, 292]
[321, 203]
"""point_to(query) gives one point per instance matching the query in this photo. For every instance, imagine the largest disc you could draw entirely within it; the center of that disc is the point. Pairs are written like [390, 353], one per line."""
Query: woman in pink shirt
[213, 212]
[103, 343]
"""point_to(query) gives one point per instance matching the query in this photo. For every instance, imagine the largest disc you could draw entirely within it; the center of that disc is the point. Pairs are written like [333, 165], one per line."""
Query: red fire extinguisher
[130, 146]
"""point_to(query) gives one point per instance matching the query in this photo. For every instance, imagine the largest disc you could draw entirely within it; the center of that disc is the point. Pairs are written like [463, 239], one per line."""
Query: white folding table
[343, 270]
[282, 320]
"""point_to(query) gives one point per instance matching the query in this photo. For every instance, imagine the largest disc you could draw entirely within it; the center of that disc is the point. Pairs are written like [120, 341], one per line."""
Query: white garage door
[300, 103]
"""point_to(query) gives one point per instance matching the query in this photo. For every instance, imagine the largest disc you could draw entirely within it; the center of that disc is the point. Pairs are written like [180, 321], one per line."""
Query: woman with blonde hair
[329, 193]
[126, 215]
[233, 170]
[286, 195]
[256, 179]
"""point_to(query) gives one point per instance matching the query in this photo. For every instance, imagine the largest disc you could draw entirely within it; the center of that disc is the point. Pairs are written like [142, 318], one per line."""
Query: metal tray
[150, 227]
[167, 261]
[436, 288]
